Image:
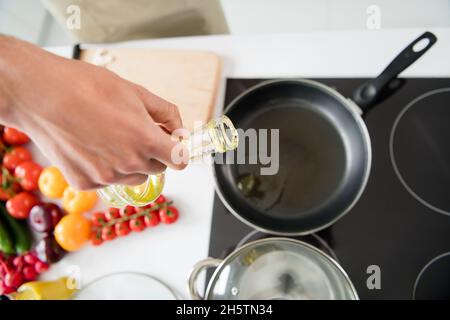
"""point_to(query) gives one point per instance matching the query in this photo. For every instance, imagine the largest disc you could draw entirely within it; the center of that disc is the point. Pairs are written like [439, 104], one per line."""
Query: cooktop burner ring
[423, 271]
[324, 246]
[397, 171]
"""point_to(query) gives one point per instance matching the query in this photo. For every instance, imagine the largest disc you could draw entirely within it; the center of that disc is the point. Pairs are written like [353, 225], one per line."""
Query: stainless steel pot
[274, 268]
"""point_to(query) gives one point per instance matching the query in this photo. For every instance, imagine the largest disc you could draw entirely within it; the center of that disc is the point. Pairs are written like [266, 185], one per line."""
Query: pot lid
[279, 268]
[126, 286]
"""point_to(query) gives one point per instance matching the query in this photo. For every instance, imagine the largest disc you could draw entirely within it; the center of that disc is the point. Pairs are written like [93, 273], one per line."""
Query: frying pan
[324, 149]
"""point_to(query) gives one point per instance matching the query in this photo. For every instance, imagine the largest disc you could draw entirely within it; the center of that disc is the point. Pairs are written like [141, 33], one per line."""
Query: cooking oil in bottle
[218, 135]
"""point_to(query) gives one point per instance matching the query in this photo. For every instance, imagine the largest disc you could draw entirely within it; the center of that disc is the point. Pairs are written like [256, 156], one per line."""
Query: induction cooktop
[399, 230]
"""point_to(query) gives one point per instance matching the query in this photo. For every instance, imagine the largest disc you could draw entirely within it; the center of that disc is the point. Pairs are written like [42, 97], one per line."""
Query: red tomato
[112, 214]
[16, 156]
[8, 188]
[128, 211]
[20, 205]
[96, 238]
[122, 228]
[146, 208]
[137, 224]
[151, 219]
[108, 233]
[168, 214]
[28, 174]
[98, 219]
[161, 199]
[5, 194]
[14, 136]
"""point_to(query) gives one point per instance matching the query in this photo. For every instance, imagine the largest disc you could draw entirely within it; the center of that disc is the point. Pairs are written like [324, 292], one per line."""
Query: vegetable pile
[35, 234]
[19, 181]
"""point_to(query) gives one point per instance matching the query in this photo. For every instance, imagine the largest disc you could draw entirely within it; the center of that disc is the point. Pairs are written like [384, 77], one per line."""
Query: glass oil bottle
[218, 135]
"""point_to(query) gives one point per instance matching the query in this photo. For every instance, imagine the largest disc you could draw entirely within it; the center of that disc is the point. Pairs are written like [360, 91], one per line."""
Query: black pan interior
[323, 157]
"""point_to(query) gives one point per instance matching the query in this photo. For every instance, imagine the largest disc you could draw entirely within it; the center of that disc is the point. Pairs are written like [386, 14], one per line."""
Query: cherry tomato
[20, 205]
[161, 199]
[8, 187]
[28, 174]
[108, 233]
[128, 211]
[52, 183]
[168, 214]
[145, 208]
[151, 219]
[98, 219]
[96, 238]
[75, 201]
[16, 156]
[5, 195]
[122, 228]
[14, 136]
[137, 224]
[72, 231]
[112, 214]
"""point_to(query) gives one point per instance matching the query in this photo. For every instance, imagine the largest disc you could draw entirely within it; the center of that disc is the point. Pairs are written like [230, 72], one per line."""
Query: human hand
[96, 127]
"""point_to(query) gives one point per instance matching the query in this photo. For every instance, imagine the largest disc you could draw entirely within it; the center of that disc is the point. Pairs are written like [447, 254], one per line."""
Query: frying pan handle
[193, 275]
[372, 91]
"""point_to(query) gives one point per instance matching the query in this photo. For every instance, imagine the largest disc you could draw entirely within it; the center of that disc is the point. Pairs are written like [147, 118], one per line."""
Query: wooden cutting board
[189, 79]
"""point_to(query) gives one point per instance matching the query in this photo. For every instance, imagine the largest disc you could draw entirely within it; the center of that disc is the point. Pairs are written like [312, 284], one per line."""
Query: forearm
[7, 78]
[76, 126]
[4, 86]
[21, 67]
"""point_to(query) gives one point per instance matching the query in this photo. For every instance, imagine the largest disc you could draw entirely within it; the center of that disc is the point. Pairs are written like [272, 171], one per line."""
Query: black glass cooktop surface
[401, 224]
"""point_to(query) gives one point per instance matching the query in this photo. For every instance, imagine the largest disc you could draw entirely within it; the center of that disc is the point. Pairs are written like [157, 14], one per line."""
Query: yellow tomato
[52, 183]
[72, 231]
[75, 201]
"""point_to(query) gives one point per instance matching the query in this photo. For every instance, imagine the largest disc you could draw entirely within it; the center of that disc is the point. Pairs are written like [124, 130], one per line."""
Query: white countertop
[168, 252]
